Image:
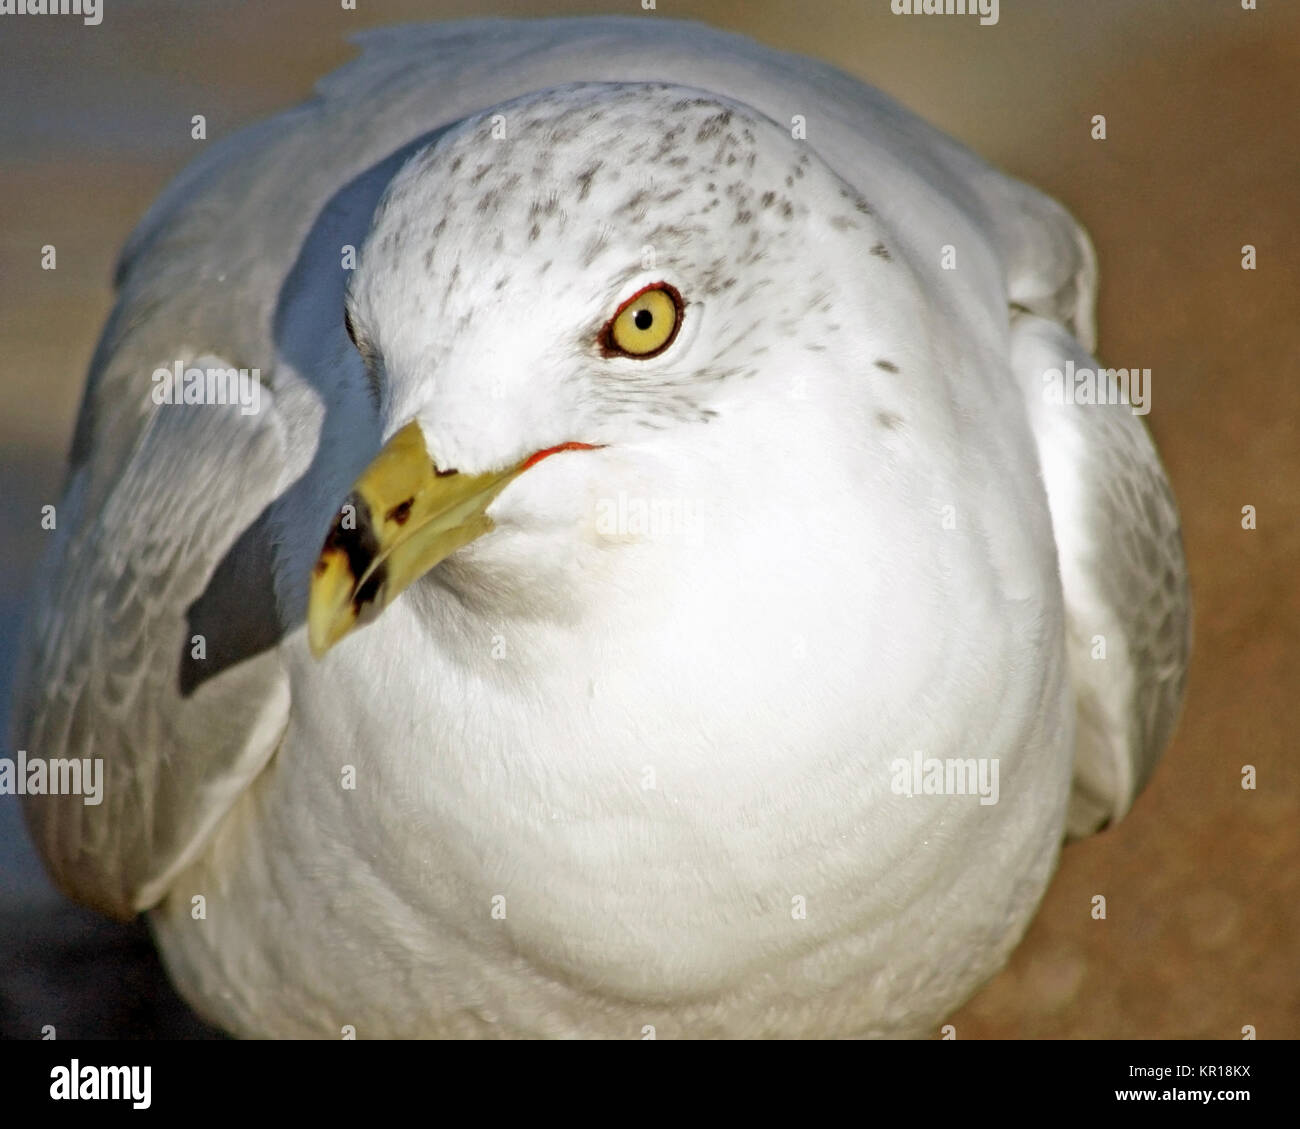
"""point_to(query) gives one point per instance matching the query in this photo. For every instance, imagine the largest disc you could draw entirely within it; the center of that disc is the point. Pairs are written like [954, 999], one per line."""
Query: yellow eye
[645, 324]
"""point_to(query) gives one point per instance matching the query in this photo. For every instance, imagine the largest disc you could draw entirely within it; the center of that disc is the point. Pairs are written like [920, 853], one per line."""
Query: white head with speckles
[656, 273]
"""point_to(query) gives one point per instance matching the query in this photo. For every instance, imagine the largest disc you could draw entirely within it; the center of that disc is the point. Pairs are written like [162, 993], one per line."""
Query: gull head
[591, 285]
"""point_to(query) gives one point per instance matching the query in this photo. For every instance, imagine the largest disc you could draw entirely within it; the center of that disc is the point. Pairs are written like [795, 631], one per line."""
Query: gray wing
[1128, 611]
[125, 652]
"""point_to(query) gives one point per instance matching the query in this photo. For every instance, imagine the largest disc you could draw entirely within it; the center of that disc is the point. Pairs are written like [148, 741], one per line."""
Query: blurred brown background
[1202, 101]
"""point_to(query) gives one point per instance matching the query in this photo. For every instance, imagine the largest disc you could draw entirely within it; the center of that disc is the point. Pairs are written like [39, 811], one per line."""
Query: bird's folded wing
[133, 615]
[1128, 613]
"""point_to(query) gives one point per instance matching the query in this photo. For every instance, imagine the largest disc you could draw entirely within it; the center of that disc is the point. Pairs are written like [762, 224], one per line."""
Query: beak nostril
[400, 512]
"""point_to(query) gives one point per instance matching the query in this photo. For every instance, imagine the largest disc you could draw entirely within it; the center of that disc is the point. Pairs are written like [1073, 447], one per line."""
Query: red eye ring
[605, 338]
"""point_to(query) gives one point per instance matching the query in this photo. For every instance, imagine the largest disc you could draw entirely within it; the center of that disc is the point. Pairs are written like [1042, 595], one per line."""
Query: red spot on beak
[536, 458]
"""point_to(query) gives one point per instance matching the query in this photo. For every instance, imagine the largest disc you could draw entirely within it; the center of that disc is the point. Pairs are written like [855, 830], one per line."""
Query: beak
[403, 517]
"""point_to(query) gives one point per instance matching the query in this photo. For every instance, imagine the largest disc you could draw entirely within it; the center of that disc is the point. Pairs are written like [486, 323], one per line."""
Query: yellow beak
[402, 517]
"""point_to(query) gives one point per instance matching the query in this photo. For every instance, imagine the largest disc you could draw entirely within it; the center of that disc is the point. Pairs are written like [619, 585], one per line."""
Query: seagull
[653, 592]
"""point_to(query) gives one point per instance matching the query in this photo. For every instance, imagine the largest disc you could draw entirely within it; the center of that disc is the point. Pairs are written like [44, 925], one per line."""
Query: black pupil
[643, 319]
